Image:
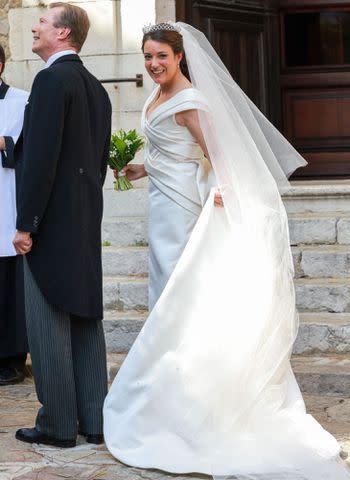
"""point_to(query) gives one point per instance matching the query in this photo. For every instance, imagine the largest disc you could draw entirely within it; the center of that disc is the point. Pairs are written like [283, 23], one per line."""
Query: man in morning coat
[61, 161]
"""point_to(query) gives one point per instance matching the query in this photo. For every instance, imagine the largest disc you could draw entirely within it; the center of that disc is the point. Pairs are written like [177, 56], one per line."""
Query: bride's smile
[161, 62]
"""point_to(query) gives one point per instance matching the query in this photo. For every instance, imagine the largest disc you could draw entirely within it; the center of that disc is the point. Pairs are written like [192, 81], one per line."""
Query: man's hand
[22, 242]
[2, 143]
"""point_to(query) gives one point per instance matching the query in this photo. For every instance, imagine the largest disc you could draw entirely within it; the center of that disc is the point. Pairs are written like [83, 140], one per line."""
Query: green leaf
[123, 148]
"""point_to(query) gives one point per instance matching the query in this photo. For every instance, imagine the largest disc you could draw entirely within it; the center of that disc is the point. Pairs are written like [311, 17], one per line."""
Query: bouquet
[123, 148]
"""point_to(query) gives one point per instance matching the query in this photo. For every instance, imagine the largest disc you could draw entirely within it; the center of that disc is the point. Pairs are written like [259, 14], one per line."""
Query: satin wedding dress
[207, 386]
[179, 179]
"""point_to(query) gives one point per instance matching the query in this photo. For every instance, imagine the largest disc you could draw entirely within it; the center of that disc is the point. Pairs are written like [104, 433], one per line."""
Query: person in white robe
[13, 339]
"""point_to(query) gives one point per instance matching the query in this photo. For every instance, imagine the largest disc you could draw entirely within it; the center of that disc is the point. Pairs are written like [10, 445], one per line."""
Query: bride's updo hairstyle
[165, 33]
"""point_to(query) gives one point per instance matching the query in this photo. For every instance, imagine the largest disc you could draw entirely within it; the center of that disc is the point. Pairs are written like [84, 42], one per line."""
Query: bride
[207, 386]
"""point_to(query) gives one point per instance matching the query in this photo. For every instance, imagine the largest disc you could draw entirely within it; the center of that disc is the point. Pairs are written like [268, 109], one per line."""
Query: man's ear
[2, 65]
[64, 33]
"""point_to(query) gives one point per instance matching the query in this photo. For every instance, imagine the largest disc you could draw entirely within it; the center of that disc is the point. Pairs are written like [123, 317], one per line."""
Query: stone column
[165, 10]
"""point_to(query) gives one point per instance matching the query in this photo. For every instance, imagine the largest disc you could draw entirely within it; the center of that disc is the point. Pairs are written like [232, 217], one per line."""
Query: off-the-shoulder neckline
[163, 103]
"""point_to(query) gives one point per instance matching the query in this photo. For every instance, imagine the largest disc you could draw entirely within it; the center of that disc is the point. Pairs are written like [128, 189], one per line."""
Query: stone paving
[20, 461]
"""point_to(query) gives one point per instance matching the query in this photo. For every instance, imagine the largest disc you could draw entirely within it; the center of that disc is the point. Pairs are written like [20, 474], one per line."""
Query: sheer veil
[252, 162]
[242, 141]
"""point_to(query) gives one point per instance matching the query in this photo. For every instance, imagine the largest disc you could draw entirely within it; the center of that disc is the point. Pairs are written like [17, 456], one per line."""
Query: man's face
[46, 35]
[1, 68]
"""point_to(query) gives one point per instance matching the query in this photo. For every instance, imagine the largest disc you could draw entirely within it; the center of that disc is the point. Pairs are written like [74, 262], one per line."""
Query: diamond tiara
[160, 26]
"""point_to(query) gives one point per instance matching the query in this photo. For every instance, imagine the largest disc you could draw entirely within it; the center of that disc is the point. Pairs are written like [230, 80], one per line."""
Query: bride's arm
[190, 120]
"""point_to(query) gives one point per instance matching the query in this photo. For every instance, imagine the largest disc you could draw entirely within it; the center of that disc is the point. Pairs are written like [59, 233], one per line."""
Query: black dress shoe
[10, 376]
[31, 435]
[97, 439]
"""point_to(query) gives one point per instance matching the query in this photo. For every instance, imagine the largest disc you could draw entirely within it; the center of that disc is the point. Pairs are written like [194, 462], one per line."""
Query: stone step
[125, 260]
[312, 229]
[326, 375]
[333, 412]
[322, 261]
[125, 231]
[303, 196]
[323, 375]
[323, 333]
[114, 362]
[323, 294]
[125, 293]
[318, 332]
[122, 328]
[304, 228]
[130, 203]
[318, 196]
[312, 294]
[315, 228]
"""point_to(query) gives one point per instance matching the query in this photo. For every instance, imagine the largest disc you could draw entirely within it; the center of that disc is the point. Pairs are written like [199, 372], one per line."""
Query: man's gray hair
[74, 18]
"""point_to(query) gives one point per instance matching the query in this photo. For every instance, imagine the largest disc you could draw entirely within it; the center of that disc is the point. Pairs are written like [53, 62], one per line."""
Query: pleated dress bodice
[173, 159]
[178, 187]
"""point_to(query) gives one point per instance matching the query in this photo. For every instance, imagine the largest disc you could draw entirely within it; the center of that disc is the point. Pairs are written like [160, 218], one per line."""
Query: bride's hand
[218, 200]
[134, 171]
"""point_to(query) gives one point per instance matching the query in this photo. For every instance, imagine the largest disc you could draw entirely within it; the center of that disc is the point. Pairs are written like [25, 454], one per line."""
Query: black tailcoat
[61, 161]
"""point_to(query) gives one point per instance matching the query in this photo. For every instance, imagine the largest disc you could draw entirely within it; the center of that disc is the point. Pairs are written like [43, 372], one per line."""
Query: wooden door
[244, 34]
[315, 84]
[292, 58]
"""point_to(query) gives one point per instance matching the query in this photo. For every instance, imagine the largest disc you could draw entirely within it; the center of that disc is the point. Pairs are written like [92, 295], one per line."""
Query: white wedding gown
[178, 186]
[207, 386]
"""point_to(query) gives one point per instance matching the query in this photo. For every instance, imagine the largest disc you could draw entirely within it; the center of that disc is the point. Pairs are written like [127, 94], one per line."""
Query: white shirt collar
[57, 55]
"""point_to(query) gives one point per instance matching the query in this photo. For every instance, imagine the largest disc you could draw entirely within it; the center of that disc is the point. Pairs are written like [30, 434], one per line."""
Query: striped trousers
[69, 365]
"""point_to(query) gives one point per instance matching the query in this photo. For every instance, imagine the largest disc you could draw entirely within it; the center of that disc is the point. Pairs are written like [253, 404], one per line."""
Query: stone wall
[112, 50]
[5, 6]
[165, 10]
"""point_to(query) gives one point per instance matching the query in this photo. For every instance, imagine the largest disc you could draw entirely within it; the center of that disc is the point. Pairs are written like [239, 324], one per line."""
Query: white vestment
[11, 120]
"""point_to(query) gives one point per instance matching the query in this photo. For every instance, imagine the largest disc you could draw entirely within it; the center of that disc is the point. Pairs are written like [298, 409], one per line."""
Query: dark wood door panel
[317, 124]
[244, 34]
[317, 119]
[324, 165]
[315, 84]
[234, 39]
[308, 99]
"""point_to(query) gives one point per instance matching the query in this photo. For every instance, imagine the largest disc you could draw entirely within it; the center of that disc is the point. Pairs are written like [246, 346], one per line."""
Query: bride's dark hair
[174, 40]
